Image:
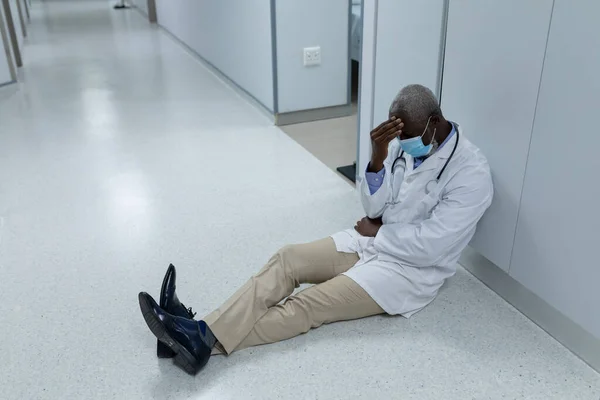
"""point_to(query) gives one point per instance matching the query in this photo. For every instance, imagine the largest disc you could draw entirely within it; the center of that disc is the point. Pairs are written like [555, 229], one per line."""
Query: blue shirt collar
[452, 132]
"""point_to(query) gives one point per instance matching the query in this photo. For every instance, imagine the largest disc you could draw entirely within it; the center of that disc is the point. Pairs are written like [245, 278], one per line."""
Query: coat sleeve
[375, 204]
[456, 215]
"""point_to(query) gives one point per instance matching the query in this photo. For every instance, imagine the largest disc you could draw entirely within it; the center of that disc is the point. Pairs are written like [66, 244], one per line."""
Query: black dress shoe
[170, 303]
[191, 341]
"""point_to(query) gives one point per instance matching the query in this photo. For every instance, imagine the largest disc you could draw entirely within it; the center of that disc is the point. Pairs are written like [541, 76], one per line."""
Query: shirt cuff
[375, 180]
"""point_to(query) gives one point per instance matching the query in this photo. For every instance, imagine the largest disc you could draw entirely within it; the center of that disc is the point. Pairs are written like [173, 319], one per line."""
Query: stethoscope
[432, 183]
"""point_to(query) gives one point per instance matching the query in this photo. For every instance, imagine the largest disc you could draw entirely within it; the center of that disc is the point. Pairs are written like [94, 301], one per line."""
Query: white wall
[522, 80]
[523, 83]
[556, 246]
[492, 68]
[407, 50]
[232, 35]
[309, 23]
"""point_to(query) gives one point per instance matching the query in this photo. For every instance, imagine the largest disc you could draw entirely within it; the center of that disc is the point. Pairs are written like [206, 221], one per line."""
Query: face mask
[415, 147]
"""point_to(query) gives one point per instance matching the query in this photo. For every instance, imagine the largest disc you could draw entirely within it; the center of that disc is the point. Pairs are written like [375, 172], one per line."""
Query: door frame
[12, 33]
[6, 44]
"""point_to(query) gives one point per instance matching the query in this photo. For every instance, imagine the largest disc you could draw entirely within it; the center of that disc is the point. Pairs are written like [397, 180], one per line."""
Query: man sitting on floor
[424, 191]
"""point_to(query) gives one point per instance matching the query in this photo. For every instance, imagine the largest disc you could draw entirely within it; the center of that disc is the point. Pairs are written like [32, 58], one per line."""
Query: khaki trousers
[252, 316]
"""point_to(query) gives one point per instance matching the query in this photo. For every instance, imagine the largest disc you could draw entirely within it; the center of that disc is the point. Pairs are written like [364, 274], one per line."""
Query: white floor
[120, 153]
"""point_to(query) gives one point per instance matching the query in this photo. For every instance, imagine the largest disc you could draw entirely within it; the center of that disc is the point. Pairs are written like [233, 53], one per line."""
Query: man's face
[416, 128]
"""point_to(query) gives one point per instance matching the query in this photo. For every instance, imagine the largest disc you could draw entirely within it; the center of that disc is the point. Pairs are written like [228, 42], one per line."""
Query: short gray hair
[417, 103]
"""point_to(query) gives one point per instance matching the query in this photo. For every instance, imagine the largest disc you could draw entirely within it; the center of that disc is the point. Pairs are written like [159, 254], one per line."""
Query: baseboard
[7, 83]
[571, 335]
[297, 117]
[221, 76]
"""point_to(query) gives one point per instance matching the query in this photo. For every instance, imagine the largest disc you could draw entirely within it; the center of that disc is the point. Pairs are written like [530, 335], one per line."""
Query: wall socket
[312, 56]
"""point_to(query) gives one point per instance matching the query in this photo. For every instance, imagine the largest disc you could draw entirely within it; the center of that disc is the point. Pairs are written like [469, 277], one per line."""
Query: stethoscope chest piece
[430, 187]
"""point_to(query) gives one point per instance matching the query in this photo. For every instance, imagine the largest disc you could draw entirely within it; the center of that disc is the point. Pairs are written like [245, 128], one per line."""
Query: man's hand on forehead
[380, 140]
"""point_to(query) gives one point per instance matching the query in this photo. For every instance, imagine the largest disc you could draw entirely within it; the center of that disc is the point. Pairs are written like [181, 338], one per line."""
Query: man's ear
[433, 126]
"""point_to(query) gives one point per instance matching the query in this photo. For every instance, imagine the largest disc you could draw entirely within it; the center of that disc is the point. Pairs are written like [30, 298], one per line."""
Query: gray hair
[417, 103]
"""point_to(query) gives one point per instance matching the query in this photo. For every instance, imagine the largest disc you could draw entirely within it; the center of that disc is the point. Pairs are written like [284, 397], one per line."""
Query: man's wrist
[375, 166]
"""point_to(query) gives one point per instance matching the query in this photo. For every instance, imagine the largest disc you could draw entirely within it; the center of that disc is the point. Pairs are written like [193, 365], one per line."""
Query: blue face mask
[415, 147]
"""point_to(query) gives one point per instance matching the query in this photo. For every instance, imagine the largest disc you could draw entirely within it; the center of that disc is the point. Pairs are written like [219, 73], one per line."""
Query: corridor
[119, 154]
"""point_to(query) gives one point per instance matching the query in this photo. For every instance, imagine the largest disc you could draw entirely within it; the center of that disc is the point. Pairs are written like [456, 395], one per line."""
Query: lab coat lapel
[445, 152]
[427, 165]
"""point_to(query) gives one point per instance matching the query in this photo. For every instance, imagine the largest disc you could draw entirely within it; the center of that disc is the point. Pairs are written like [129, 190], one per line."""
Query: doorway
[334, 141]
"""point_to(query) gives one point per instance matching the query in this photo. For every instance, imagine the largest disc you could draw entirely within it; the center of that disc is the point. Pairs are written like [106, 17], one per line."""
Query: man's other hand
[368, 227]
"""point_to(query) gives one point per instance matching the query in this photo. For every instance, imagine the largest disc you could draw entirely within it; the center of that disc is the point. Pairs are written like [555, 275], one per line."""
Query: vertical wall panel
[232, 35]
[326, 85]
[404, 37]
[492, 68]
[556, 246]
[367, 84]
[408, 49]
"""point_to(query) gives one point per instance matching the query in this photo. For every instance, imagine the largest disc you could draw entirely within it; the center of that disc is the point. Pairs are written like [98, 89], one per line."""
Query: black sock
[206, 334]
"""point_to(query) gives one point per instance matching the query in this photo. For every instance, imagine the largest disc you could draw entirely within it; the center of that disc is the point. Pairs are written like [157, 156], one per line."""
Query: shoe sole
[162, 350]
[183, 358]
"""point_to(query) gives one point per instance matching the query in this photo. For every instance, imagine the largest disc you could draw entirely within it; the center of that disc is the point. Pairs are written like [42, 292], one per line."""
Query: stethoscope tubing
[445, 164]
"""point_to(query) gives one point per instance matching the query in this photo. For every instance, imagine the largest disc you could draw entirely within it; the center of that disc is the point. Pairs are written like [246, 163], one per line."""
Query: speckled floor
[118, 155]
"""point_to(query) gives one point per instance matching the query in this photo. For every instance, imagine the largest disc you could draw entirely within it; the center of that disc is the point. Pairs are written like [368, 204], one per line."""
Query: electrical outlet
[312, 56]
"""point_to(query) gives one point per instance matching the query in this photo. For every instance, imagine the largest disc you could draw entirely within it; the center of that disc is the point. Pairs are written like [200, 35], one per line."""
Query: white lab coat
[423, 235]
